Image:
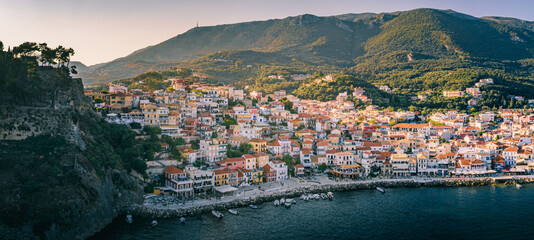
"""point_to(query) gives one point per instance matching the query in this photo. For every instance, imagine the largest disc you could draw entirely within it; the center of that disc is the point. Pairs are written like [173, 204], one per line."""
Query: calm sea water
[500, 212]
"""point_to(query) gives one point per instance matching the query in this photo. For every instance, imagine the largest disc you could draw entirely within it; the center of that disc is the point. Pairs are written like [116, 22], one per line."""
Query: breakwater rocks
[150, 212]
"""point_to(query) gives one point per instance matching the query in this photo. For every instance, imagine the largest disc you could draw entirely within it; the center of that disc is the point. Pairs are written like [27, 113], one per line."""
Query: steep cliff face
[56, 177]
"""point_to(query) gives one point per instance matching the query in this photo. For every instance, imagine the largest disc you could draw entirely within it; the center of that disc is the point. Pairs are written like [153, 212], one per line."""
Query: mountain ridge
[350, 42]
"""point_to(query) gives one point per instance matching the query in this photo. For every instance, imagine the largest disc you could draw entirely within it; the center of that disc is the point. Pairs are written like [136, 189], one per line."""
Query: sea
[488, 212]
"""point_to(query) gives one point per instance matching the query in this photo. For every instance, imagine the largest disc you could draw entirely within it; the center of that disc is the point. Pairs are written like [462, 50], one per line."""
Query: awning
[225, 189]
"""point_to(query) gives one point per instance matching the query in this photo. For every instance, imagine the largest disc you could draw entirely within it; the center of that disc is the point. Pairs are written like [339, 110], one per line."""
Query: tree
[135, 125]
[322, 167]
[214, 135]
[245, 148]
[48, 55]
[63, 55]
[26, 49]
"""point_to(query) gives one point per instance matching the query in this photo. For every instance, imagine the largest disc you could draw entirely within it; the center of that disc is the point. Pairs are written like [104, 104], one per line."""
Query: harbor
[356, 215]
[252, 195]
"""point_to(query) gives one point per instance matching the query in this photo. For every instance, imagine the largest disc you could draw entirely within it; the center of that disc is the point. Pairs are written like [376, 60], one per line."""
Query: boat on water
[323, 196]
[292, 201]
[316, 196]
[330, 195]
[182, 220]
[282, 200]
[287, 204]
[381, 189]
[217, 214]
[277, 202]
[129, 218]
[253, 206]
[303, 197]
[232, 211]
[517, 185]
[154, 223]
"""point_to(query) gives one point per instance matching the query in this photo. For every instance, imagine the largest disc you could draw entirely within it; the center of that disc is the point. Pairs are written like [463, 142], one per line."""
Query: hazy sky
[102, 30]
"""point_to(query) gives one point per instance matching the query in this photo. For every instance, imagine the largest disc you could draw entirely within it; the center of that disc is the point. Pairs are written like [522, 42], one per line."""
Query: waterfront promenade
[295, 187]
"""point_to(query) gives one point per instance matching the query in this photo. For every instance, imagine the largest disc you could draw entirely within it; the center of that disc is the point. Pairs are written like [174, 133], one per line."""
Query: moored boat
[292, 201]
[217, 214]
[232, 211]
[277, 202]
[287, 204]
[282, 200]
[381, 189]
[182, 220]
[517, 185]
[129, 218]
[323, 196]
[154, 223]
[330, 195]
[316, 196]
[253, 206]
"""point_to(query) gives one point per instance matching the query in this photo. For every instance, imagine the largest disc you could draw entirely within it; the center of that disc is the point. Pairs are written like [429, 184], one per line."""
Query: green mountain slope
[412, 51]
[317, 39]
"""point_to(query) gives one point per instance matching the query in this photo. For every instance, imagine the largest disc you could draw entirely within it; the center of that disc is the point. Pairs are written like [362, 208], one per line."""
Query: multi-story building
[176, 180]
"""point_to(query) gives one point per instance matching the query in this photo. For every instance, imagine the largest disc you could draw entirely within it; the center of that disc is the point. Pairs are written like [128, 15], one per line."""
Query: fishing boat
[154, 223]
[253, 206]
[330, 195]
[381, 189]
[232, 211]
[277, 202]
[517, 185]
[129, 218]
[182, 220]
[217, 214]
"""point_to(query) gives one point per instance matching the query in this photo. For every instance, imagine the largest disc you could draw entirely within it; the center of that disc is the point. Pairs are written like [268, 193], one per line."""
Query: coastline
[161, 213]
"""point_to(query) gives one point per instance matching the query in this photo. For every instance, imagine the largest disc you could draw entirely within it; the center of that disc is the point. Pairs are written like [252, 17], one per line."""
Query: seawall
[149, 212]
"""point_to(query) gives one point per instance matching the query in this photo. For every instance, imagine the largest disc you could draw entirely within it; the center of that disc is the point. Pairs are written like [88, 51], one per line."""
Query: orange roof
[298, 166]
[410, 125]
[511, 149]
[173, 170]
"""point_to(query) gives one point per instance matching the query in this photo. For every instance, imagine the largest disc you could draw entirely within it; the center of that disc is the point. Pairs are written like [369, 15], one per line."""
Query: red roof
[173, 170]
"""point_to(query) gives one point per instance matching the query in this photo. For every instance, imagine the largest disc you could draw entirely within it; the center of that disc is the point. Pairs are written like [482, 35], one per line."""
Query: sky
[103, 30]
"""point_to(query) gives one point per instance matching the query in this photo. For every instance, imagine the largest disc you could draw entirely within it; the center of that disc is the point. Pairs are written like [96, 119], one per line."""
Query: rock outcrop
[52, 186]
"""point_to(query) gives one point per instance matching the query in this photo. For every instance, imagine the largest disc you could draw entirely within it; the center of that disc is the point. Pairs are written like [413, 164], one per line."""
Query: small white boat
[232, 211]
[282, 200]
[154, 223]
[316, 196]
[287, 204]
[517, 185]
[182, 220]
[381, 189]
[330, 195]
[253, 206]
[217, 214]
[129, 218]
[303, 197]
[277, 202]
[323, 196]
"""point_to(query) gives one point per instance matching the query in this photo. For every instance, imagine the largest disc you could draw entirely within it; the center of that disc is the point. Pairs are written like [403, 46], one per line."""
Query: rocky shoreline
[149, 212]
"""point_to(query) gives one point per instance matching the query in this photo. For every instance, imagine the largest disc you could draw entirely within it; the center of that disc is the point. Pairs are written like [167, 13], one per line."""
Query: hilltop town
[221, 138]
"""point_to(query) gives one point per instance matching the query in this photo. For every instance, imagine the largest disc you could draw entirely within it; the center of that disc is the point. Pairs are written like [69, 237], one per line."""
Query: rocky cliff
[59, 177]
